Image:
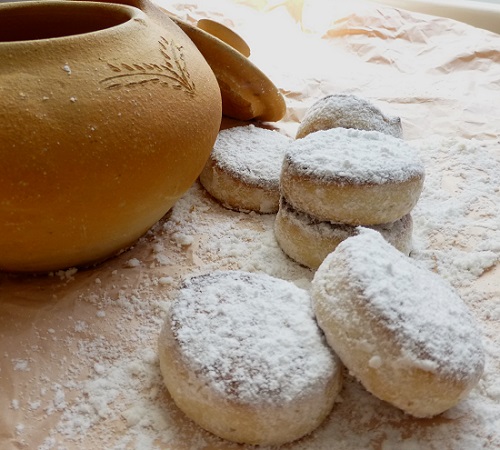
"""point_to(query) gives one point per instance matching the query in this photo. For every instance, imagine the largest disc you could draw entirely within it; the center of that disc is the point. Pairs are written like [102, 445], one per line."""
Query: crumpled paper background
[77, 363]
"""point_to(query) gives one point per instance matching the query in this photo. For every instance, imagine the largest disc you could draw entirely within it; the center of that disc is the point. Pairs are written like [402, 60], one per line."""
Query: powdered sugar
[460, 209]
[456, 234]
[252, 154]
[340, 155]
[252, 338]
[348, 111]
[428, 322]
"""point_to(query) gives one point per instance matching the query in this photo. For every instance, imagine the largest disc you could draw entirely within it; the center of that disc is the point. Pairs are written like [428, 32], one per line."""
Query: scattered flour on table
[111, 395]
[457, 226]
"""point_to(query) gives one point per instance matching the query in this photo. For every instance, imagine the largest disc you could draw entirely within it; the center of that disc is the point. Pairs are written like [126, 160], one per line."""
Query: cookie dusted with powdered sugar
[309, 241]
[244, 167]
[400, 329]
[348, 111]
[352, 176]
[242, 355]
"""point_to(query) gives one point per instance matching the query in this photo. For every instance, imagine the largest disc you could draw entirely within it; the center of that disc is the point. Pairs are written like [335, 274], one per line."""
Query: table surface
[79, 367]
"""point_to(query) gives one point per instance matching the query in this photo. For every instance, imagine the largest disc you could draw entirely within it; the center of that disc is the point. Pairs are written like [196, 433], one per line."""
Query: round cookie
[309, 241]
[401, 330]
[241, 355]
[352, 176]
[347, 111]
[244, 168]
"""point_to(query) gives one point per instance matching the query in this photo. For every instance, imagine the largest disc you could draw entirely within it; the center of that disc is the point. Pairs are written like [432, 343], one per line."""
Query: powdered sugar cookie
[400, 329]
[309, 241]
[244, 168]
[352, 176]
[242, 356]
[348, 111]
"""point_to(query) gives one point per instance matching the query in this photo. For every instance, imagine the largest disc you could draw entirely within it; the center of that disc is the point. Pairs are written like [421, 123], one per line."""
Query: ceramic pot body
[107, 118]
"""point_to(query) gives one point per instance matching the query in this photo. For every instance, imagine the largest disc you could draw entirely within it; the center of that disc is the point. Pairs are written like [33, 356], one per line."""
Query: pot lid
[247, 93]
[225, 34]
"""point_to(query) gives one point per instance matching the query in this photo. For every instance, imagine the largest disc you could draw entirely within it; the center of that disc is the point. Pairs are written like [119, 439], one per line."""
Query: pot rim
[78, 13]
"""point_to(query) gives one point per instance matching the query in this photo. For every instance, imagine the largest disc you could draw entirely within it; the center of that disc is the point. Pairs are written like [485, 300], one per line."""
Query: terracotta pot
[107, 118]
[247, 93]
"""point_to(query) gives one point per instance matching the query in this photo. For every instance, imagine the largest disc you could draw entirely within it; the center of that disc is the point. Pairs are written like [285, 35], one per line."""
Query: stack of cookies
[335, 178]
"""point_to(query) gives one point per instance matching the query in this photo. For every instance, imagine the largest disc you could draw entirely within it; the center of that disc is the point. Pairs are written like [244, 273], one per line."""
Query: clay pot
[247, 93]
[107, 118]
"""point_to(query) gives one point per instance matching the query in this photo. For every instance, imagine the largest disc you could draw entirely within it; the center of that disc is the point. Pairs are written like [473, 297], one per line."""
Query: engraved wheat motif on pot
[172, 71]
